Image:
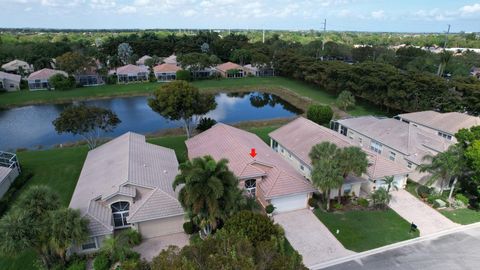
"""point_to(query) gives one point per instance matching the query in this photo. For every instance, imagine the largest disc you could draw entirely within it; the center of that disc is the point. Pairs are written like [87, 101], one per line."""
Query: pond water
[31, 126]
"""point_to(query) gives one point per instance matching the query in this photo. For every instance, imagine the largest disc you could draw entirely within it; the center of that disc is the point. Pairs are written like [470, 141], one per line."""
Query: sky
[341, 15]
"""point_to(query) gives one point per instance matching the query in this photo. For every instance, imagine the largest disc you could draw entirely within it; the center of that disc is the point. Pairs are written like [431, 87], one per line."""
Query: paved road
[460, 250]
[310, 237]
[428, 220]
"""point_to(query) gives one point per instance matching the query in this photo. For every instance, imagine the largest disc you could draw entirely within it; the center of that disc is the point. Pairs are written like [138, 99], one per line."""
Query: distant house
[9, 170]
[231, 70]
[172, 59]
[17, 65]
[89, 77]
[475, 72]
[203, 73]
[141, 61]
[39, 80]
[266, 176]
[9, 82]
[259, 71]
[295, 140]
[127, 183]
[131, 73]
[166, 72]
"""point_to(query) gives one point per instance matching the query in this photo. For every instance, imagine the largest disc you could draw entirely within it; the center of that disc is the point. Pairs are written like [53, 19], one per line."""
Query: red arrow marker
[253, 153]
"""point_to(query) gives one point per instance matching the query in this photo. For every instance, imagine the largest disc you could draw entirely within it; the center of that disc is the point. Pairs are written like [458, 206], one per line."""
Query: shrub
[101, 262]
[312, 202]
[151, 77]
[112, 79]
[184, 75]
[269, 209]
[363, 202]
[424, 191]
[78, 265]
[320, 114]
[255, 226]
[188, 227]
[135, 264]
[132, 237]
[473, 202]
[205, 123]
[62, 82]
[432, 197]
[462, 198]
[337, 206]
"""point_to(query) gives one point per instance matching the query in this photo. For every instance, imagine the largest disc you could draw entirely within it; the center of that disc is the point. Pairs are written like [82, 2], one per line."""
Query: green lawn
[462, 216]
[363, 230]
[60, 168]
[10, 99]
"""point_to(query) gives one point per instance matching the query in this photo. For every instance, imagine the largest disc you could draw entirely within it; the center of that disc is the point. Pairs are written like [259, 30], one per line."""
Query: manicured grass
[174, 142]
[363, 230]
[251, 83]
[462, 216]
[25, 260]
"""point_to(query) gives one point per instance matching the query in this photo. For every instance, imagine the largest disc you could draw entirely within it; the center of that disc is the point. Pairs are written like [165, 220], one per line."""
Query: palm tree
[389, 181]
[352, 160]
[444, 166]
[209, 191]
[380, 197]
[326, 174]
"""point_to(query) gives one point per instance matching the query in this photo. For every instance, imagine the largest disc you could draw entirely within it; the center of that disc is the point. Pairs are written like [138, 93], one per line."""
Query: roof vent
[165, 171]
[145, 165]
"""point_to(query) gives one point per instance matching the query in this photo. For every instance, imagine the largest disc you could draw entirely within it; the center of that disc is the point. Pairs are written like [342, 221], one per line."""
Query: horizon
[381, 16]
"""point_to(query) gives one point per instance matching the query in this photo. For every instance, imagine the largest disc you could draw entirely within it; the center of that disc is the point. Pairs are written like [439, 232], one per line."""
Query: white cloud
[127, 10]
[469, 10]
[379, 14]
[102, 4]
[190, 13]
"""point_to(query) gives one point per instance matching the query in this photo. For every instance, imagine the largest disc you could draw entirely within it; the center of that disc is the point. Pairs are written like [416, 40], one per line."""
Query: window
[347, 189]
[289, 155]
[343, 130]
[376, 147]
[350, 135]
[392, 156]
[282, 150]
[302, 168]
[120, 214]
[275, 145]
[251, 187]
[445, 136]
[409, 164]
[91, 243]
[360, 140]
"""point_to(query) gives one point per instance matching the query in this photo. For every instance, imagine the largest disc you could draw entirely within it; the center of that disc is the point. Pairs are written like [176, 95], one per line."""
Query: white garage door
[160, 227]
[289, 203]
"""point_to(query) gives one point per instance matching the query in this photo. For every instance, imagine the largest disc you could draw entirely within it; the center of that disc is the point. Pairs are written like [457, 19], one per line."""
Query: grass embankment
[298, 93]
[361, 230]
[59, 168]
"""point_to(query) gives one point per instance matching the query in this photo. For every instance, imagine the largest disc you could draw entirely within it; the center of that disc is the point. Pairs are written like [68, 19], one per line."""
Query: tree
[320, 114]
[205, 47]
[86, 121]
[380, 198]
[241, 56]
[255, 226]
[389, 181]
[183, 75]
[209, 192]
[179, 100]
[345, 100]
[124, 52]
[326, 173]
[351, 160]
[443, 167]
[205, 123]
[73, 62]
[62, 82]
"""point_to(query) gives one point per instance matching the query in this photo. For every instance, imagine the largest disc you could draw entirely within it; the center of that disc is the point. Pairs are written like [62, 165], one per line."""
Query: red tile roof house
[131, 73]
[39, 80]
[125, 183]
[89, 77]
[141, 61]
[9, 82]
[231, 70]
[295, 140]
[166, 72]
[267, 176]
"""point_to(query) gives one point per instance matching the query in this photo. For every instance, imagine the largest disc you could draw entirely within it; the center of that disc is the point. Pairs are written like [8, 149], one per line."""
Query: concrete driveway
[151, 247]
[414, 210]
[310, 237]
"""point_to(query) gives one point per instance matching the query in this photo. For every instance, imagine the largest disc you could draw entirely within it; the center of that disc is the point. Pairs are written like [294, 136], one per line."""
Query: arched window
[251, 186]
[120, 214]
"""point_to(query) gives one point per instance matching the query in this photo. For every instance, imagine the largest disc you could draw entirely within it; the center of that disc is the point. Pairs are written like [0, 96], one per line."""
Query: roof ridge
[146, 200]
[95, 217]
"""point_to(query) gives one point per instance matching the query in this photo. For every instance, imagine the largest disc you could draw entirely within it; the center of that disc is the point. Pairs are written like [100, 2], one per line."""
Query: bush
[312, 202]
[101, 262]
[184, 75]
[133, 237]
[205, 123]
[424, 191]
[269, 209]
[363, 202]
[473, 202]
[337, 206]
[462, 198]
[188, 227]
[112, 79]
[255, 226]
[62, 82]
[320, 114]
[432, 197]
[151, 77]
[78, 265]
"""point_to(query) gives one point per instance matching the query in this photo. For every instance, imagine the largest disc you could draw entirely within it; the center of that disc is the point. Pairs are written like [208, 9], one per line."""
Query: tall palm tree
[352, 160]
[389, 181]
[326, 174]
[444, 166]
[208, 191]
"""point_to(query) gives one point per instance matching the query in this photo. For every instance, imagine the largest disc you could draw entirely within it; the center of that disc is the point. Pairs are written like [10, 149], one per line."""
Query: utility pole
[324, 31]
[263, 36]
[446, 37]
[441, 66]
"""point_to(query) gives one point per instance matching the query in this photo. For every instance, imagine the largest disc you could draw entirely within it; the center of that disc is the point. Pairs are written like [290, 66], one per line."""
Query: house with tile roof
[131, 74]
[166, 72]
[401, 142]
[172, 60]
[9, 82]
[295, 140]
[259, 71]
[266, 175]
[127, 183]
[39, 80]
[17, 66]
[141, 61]
[9, 171]
[444, 125]
[231, 70]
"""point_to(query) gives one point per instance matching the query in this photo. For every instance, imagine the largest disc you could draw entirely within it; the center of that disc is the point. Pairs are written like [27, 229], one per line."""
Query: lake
[31, 126]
